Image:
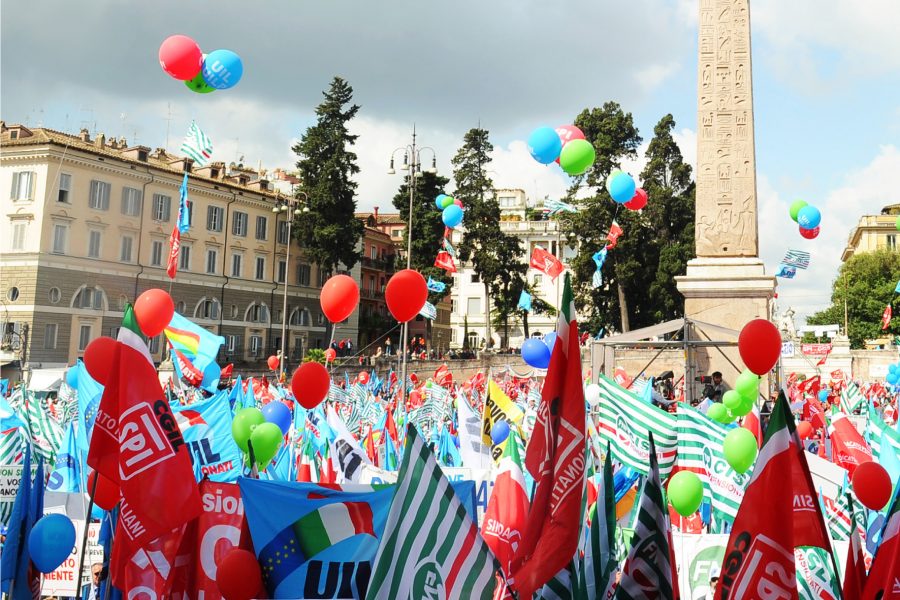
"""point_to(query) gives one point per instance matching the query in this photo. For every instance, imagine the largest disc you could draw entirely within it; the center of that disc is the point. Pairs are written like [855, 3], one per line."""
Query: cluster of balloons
[807, 217]
[893, 374]
[536, 352]
[564, 145]
[181, 57]
[50, 542]
[624, 190]
[451, 210]
[250, 425]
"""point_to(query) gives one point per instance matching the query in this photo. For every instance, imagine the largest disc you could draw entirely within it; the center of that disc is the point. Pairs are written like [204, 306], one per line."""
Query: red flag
[884, 577]
[555, 458]
[814, 412]
[848, 448]
[773, 518]
[226, 371]
[174, 246]
[752, 423]
[507, 511]
[855, 571]
[545, 262]
[148, 567]
[810, 385]
[613, 236]
[445, 261]
[191, 374]
[137, 444]
[886, 317]
[825, 358]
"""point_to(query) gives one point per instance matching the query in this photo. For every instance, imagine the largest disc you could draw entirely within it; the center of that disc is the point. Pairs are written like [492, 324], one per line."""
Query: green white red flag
[507, 510]
[556, 459]
[883, 582]
[855, 570]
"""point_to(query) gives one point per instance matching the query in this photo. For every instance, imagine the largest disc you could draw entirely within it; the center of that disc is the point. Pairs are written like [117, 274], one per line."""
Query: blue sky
[826, 88]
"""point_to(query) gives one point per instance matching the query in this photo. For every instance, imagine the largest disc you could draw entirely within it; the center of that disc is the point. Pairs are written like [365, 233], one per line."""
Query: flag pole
[84, 536]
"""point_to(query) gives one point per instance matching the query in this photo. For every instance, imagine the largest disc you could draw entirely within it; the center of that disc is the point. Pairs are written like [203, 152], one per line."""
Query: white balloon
[592, 394]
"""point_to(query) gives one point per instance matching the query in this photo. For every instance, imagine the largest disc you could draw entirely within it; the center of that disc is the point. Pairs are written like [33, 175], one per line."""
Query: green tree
[864, 285]
[484, 245]
[507, 313]
[329, 232]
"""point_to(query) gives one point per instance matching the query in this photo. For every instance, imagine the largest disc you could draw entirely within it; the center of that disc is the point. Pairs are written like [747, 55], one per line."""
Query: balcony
[385, 264]
[369, 294]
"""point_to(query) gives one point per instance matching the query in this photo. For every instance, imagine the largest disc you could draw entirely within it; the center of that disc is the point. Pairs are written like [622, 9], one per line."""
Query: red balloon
[339, 298]
[638, 201]
[153, 310]
[239, 577]
[458, 202]
[363, 377]
[872, 485]
[805, 430]
[810, 234]
[405, 294]
[273, 362]
[310, 384]
[760, 346]
[330, 355]
[180, 57]
[106, 494]
[98, 358]
[567, 133]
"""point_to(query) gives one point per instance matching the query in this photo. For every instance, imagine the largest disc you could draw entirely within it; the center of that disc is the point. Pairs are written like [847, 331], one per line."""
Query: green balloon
[685, 492]
[897, 222]
[745, 407]
[732, 400]
[740, 449]
[717, 412]
[577, 157]
[447, 201]
[612, 175]
[747, 384]
[266, 439]
[245, 420]
[796, 205]
[199, 85]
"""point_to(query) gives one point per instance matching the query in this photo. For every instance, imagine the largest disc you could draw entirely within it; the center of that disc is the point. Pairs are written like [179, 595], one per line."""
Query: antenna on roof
[168, 122]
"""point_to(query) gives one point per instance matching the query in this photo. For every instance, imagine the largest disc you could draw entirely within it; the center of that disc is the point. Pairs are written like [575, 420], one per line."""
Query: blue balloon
[621, 187]
[535, 353]
[222, 69]
[823, 395]
[51, 541]
[892, 368]
[276, 412]
[500, 432]
[891, 378]
[211, 374]
[439, 201]
[809, 217]
[550, 340]
[544, 145]
[452, 216]
[72, 376]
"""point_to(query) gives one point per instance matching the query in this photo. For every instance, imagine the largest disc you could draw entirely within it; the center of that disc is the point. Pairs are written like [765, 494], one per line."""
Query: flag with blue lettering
[69, 470]
[436, 286]
[206, 428]
[525, 301]
[786, 272]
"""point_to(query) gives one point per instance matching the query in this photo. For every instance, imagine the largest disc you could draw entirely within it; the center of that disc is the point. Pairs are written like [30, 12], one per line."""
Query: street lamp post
[412, 163]
[290, 203]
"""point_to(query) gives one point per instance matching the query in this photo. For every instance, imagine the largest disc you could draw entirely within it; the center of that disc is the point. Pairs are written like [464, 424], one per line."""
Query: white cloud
[513, 167]
[652, 76]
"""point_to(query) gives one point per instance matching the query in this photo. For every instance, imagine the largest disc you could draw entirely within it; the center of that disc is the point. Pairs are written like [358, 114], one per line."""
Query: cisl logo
[143, 442]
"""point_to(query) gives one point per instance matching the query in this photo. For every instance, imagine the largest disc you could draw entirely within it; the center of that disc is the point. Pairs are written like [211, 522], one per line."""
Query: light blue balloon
[892, 377]
[823, 395]
[276, 412]
[809, 217]
[222, 69]
[50, 542]
[535, 353]
[439, 201]
[72, 376]
[544, 145]
[550, 340]
[892, 368]
[621, 187]
[452, 216]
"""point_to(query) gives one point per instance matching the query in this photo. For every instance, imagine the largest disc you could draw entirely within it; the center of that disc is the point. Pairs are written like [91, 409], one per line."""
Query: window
[282, 271]
[23, 185]
[260, 267]
[373, 252]
[321, 319]
[232, 343]
[300, 317]
[258, 313]
[473, 306]
[50, 336]
[99, 198]
[123, 301]
[156, 253]
[54, 295]
[18, 236]
[154, 344]
[239, 224]
[208, 309]
[162, 208]
[184, 258]
[12, 294]
[179, 308]
[283, 232]
[234, 311]
[84, 337]
[255, 344]
[237, 261]
[538, 279]
[127, 245]
[215, 217]
[276, 317]
[212, 257]
[396, 233]
[89, 297]
[303, 272]
[891, 242]
[262, 228]
[60, 237]
[372, 283]
[474, 278]
[190, 211]
[452, 305]
[131, 202]
[323, 276]
[93, 244]
[65, 186]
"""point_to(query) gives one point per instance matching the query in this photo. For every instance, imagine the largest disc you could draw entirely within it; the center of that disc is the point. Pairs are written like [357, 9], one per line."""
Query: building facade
[85, 229]
[469, 307]
[376, 267]
[874, 232]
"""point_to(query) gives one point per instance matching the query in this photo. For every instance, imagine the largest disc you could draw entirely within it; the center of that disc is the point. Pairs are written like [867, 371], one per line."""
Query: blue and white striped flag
[197, 146]
[558, 206]
[796, 258]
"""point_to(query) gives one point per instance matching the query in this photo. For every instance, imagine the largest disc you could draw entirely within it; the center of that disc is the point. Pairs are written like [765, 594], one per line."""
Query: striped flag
[626, 423]
[855, 570]
[12, 445]
[197, 146]
[45, 433]
[430, 548]
[796, 258]
[884, 577]
[648, 569]
[851, 398]
[875, 429]
[600, 562]
[700, 441]
[560, 587]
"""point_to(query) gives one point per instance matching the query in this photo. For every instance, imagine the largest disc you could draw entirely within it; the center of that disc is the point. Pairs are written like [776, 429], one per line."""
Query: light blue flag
[436, 286]
[249, 400]
[67, 474]
[320, 433]
[89, 394]
[8, 417]
[14, 560]
[184, 214]
[897, 291]
[4, 387]
[525, 301]
[647, 395]
[282, 469]
[888, 458]
[599, 259]
[236, 395]
[206, 428]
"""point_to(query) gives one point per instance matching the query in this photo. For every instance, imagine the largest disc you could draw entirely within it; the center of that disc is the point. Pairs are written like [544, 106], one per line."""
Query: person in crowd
[96, 572]
[387, 347]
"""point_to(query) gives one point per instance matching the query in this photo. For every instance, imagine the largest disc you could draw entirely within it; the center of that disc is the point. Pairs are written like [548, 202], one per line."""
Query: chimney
[122, 143]
[113, 143]
[100, 142]
[160, 154]
[85, 135]
[376, 216]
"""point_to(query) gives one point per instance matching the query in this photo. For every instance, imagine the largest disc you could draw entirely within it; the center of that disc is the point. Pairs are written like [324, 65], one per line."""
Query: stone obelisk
[726, 283]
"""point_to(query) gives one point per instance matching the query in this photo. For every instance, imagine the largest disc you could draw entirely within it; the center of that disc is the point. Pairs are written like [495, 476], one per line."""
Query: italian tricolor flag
[507, 511]
[332, 524]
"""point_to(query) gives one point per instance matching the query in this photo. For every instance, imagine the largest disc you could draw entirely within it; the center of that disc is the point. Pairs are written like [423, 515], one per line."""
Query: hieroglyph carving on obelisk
[726, 223]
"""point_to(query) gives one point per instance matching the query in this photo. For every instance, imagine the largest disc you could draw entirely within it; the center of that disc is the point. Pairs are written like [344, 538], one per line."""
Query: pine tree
[329, 232]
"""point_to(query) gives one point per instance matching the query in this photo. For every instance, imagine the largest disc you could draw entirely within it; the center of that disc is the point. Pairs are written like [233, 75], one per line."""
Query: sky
[826, 89]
